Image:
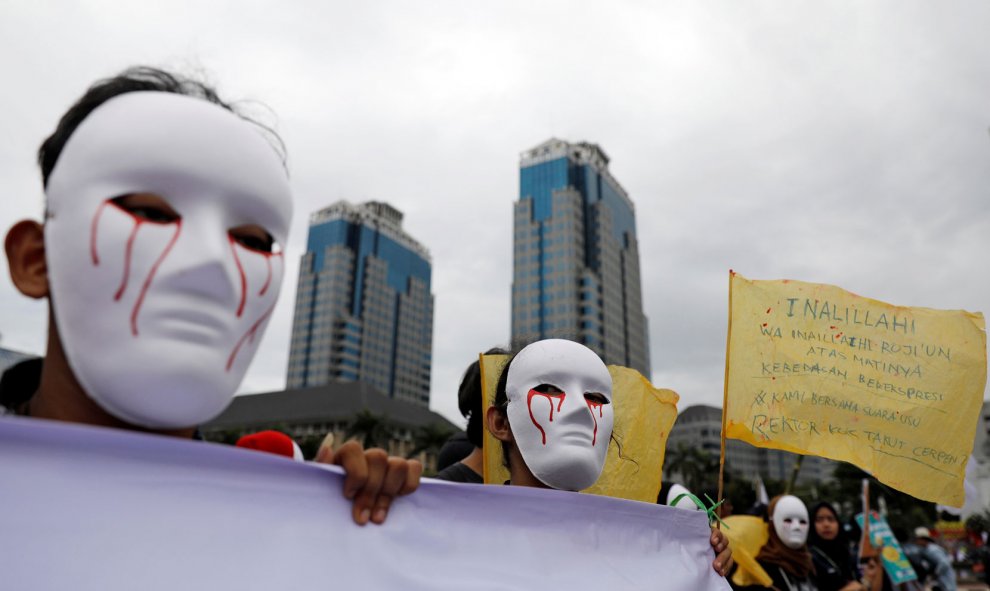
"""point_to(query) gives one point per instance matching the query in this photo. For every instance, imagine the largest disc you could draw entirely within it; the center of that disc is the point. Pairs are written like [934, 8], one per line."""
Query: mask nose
[205, 262]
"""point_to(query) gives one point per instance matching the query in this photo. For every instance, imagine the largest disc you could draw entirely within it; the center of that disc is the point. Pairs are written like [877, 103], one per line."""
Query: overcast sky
[833, 142]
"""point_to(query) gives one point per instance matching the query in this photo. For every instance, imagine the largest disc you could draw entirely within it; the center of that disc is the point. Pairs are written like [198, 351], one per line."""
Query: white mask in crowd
[160, 317]
[562, 434]
[790, 520]
[684, 502]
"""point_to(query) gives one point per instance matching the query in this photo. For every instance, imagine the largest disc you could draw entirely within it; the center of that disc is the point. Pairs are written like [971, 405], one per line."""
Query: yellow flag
[747, 534]
[643, 418]
[814, 369]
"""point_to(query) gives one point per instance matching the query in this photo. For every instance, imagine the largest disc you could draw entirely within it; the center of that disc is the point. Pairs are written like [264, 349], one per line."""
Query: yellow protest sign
[814, 369]
[643, 418]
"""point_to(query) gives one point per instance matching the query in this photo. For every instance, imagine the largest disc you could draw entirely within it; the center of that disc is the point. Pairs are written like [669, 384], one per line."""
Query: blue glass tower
[576, 257]
[364, 311]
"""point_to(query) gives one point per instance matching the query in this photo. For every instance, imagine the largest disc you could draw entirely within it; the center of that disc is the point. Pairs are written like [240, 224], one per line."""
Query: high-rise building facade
[699, 427]
[364, 311]
[576, 257]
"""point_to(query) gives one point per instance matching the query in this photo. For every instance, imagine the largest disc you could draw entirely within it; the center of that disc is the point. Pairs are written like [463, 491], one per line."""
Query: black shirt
[458, 472]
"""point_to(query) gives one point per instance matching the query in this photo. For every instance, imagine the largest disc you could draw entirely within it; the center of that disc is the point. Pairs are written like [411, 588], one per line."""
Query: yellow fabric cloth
[643, 418]
[817, 370]
[747, 534]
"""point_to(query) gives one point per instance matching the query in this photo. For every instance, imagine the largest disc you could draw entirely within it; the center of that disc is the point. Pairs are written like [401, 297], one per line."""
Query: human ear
[25, 247]
[498, 424]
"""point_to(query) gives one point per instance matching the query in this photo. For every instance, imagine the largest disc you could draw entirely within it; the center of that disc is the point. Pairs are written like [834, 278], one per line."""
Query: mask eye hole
[548, 389]
[148, 207]
[253, 237]
[596, 397]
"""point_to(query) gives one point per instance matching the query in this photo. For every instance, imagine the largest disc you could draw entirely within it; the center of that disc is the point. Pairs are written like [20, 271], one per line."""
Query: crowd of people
[159, 256]
[165, 216]
[820, 551]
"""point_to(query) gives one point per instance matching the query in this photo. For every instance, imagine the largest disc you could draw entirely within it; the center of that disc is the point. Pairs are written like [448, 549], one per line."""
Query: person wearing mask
[785, 556]
[160, 256]
[554, 414]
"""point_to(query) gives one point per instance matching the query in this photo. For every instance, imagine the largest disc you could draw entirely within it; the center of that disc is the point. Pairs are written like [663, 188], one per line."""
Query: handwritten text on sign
[817, 370]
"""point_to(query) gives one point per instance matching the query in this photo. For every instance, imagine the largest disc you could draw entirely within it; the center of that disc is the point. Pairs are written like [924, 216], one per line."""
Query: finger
[721, 545]
[324, 455]
[413, 474]
[728, 566]
[351, 458]
[719, 541]
[397, 470]
[723, 562]
[366, 496]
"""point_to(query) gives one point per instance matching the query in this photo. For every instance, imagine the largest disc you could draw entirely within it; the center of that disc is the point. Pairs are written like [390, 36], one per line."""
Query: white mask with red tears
[166, 219]
[560, 411]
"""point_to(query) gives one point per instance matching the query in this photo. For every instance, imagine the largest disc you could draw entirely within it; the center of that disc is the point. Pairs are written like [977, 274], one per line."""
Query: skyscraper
[576, 258]
[364, 310]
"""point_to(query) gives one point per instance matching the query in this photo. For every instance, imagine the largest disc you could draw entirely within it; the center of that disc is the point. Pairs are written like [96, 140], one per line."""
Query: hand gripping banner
[90, 508]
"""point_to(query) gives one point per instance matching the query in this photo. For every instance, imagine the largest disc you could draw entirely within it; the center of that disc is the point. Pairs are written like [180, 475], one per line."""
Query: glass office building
[575, 255]
[364, 311]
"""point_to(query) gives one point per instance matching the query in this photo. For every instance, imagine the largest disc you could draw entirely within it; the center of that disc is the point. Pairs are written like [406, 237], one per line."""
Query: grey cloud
[842, 144]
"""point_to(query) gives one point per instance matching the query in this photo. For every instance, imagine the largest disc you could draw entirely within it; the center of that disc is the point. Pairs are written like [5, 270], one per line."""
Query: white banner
[90, 508]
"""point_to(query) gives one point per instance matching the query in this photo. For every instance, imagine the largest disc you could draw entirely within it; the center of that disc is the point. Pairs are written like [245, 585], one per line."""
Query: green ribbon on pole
[710, 510]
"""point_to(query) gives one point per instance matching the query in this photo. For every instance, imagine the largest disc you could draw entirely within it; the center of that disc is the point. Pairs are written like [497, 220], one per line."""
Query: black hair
[134, 79]
[19, 382]
[469, 399]
[816, 540]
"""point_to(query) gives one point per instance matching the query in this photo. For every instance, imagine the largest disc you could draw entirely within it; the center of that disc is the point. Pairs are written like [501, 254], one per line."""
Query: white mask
[563, 436]
[790, 520]
[159, 321]
[676, 490]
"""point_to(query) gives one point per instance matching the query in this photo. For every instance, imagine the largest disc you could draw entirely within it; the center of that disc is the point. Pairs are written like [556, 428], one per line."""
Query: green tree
[373, 430]
[430, 438]
[310, 444]
[978, 522]
[696, 468]
[904, 512]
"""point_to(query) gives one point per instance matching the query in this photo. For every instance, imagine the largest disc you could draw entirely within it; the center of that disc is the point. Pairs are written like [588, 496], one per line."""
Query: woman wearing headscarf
[785, 556]
[830, 551]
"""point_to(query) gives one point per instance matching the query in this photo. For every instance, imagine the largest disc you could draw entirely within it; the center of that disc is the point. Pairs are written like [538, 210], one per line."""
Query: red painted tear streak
[249, 335]
[529, 403]
[240, 269]
[93, 231]
[151, 276]
[591, 406]
[127, 260]
[268, 281]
